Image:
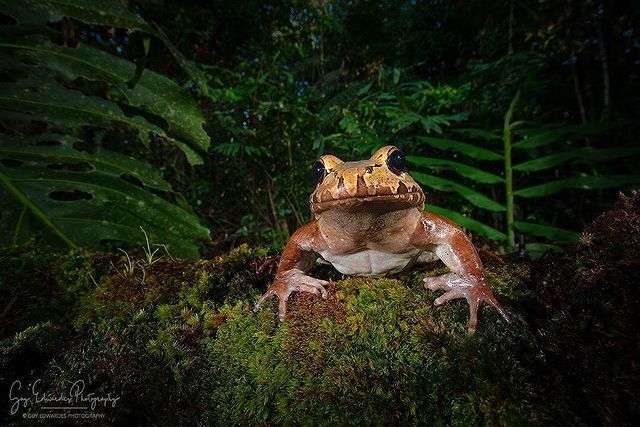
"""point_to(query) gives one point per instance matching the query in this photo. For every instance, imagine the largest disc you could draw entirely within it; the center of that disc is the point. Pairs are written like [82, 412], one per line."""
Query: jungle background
[155, 154]
[224, 106]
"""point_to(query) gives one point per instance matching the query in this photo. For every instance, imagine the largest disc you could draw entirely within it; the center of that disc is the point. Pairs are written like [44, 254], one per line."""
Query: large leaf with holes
[33, 16]
[60, 150]
[470, 194]
[153, 92]
[478, 175]
[40, 97]
[88, 198]
[467, 222]
[579, 183]
[464, 148]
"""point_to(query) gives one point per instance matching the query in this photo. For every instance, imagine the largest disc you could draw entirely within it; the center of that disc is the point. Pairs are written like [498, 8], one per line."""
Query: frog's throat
[383, 202]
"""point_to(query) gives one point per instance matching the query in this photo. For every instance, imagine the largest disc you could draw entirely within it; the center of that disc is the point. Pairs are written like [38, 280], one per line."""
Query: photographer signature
[76, 398]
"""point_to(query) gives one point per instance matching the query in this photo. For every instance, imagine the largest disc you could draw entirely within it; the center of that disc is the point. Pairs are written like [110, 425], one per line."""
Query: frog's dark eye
[318, 171]
[397, 162]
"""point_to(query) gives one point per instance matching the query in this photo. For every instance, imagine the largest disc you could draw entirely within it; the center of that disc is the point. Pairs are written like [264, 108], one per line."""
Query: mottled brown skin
[369, 222]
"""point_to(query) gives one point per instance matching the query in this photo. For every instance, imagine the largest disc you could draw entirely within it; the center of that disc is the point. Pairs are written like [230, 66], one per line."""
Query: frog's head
[380, 183]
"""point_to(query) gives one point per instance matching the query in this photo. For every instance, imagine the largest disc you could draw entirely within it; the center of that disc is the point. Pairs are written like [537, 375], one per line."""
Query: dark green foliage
[518, 141]
[434, 78]
[178, 343]
[80, 196]
[88, 197]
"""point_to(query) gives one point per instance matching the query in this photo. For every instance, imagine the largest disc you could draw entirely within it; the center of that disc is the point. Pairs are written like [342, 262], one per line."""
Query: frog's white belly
[370, 262]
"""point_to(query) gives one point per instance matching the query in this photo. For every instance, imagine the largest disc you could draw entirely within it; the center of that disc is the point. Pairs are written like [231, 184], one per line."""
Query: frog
[369, 221]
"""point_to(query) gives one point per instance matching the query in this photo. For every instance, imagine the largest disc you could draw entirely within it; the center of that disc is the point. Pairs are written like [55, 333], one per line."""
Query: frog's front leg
[298, 257]
[446, 239]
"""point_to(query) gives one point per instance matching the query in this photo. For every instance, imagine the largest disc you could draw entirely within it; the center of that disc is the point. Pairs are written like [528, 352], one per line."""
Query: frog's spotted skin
[369, 222]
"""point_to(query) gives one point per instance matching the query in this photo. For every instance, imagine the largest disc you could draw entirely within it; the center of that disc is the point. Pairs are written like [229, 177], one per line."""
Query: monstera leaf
[40, 97]
[154, 93]
[34, 15]
[85, 199]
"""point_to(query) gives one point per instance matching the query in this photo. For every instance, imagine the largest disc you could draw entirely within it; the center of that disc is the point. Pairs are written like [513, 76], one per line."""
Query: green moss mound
[177, 342]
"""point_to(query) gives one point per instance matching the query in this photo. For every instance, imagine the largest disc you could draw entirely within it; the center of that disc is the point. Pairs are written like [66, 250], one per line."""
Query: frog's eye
[397, 162]
[318, 171]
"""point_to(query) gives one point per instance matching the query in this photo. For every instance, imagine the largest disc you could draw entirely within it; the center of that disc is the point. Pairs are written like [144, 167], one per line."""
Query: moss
[177, 340]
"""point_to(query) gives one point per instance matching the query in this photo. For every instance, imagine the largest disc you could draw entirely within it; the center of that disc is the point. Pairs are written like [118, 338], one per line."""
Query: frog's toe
[449, 295]
[474, 292]
[280, 290]
[282, 309]
[475, 296]
[490, 299]
[434, 283]
[283, 289]
[442, 282]
[312, 288]
[318, 285]
[474, 304]
[472, 300]
[271, 292]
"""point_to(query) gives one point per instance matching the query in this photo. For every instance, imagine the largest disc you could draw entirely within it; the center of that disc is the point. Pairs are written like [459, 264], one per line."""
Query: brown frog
[369, 221]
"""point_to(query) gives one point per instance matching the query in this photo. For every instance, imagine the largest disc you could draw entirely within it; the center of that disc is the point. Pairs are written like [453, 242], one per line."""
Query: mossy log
[177, 341]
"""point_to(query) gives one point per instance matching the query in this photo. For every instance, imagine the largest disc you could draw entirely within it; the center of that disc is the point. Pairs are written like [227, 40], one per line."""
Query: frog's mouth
[387, 201]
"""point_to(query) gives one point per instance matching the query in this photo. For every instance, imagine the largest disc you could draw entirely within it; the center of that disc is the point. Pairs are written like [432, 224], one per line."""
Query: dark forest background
[195, 124]
[134, 135]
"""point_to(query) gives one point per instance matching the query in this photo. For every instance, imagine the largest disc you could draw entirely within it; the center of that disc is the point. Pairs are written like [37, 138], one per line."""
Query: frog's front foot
[291, 281]
[475, 291]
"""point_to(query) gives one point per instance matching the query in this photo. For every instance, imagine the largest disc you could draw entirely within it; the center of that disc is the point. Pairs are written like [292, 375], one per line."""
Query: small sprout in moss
[128, 267]
[149, 255]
